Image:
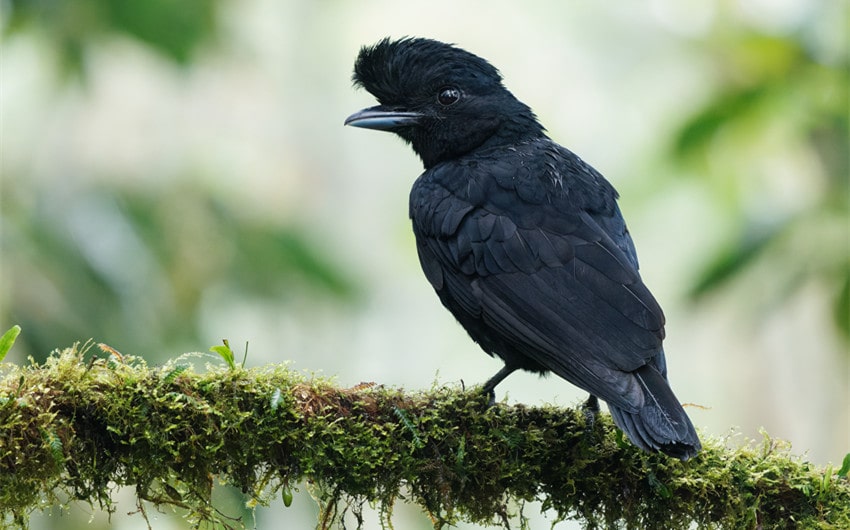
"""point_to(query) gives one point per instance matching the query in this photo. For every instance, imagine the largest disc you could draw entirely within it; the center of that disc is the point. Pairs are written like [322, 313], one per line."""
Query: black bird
[522, 240]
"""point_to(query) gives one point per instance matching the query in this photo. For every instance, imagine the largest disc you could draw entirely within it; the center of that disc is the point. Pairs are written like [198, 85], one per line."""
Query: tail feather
[661, 424]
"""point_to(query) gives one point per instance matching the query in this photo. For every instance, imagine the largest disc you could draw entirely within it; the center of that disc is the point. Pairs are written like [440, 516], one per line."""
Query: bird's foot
[491, 383]
[491, 397]
[590, 409]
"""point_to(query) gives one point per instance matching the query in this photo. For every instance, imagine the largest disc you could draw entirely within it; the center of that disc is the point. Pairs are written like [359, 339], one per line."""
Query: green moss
[169, 431]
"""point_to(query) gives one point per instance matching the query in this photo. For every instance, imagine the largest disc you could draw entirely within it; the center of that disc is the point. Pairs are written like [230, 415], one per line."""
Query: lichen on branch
[78, 429]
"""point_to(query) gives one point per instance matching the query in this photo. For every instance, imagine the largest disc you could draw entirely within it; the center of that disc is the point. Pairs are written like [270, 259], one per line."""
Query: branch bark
[81, 429]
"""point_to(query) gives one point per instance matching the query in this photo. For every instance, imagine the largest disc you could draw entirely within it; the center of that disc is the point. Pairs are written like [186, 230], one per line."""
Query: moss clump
[79, 430]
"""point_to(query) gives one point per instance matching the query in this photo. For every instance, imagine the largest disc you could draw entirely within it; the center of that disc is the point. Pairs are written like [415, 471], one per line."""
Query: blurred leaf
[841, 309]
[698, 131]
[757, 59]
[57, 292]
[219, 242]
[172, 28]
[281, 251]
[776, 109]
[8, 340]
[132, 269]
[754, 67]
[830, 139]
[732, 261]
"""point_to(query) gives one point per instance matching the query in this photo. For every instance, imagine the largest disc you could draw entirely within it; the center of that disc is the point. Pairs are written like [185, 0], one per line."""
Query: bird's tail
[661, 424]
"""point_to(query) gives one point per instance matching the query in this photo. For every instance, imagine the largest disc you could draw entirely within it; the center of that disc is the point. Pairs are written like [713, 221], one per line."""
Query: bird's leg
[491, 383]
[590, 409]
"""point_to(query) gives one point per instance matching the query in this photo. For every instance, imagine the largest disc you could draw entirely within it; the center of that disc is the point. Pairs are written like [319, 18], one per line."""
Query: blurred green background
[177, 172]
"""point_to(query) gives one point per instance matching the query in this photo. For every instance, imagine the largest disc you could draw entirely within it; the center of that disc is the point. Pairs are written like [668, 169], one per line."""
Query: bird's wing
[541, 255]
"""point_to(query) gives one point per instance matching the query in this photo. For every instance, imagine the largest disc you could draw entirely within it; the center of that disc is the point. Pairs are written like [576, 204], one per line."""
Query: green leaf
[8, 340]
[225, 353]
[55, 444]
[410, 426]
[174, 373]
[286, 494]
[660, 488]
[845, 467]
[275, 399]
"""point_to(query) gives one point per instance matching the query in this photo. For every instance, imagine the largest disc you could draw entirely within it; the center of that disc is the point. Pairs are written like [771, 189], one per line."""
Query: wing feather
[538, 265]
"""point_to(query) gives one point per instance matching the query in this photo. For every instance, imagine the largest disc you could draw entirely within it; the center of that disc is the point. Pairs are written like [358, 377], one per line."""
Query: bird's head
[441, 99]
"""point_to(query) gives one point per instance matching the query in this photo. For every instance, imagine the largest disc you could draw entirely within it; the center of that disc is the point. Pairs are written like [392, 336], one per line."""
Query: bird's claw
[590, 409]
[491, 397]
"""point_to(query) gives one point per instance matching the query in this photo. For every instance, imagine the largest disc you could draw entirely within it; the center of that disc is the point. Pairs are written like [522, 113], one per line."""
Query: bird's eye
[448, 96]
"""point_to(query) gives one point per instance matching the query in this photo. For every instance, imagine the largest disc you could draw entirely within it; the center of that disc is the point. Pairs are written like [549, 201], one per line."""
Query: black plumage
[522, 240]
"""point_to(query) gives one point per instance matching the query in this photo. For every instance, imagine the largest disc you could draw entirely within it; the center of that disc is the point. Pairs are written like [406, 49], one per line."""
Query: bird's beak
[382, 118]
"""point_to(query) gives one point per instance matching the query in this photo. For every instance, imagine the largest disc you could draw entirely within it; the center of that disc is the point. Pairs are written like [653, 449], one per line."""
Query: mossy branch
[82, 429]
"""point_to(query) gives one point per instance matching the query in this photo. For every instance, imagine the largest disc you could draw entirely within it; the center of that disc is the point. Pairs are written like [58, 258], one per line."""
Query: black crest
[417, 66]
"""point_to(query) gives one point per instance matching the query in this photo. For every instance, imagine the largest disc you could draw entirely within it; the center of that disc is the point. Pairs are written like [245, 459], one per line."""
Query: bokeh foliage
[133, 267]
[171, 247]
[174, 29]
[777, 118]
